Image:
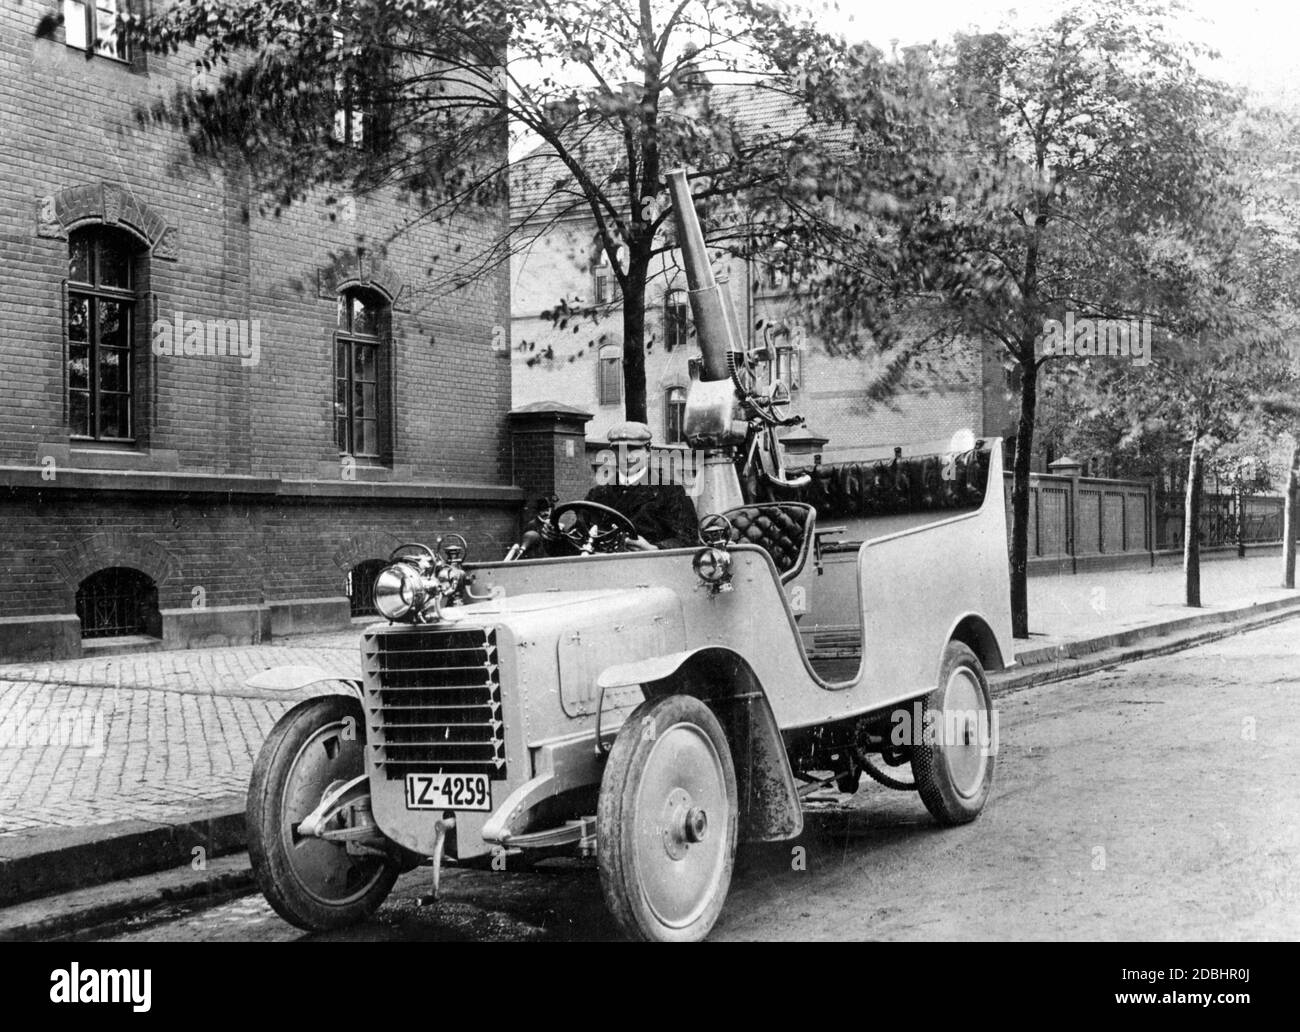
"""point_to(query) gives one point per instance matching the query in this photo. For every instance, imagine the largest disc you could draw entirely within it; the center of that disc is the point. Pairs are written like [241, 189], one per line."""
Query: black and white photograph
[565, 471]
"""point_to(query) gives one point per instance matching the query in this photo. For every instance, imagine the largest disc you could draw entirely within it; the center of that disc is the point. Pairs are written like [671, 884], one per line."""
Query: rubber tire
[934, 782]
[616, 817]
[264, 819]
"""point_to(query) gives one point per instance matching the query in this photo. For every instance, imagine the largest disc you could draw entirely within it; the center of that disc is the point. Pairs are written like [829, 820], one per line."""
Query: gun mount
[725, 416]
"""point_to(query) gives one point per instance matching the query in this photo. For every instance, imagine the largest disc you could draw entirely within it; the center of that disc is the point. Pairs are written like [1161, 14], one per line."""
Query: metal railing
[1225, 519]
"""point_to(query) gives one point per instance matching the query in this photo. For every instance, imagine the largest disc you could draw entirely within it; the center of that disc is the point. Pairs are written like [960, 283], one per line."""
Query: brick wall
[245, 553]
[69, 122]
[67, 126]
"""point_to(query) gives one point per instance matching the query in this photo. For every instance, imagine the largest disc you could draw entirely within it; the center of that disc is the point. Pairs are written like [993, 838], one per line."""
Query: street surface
[1160, 800]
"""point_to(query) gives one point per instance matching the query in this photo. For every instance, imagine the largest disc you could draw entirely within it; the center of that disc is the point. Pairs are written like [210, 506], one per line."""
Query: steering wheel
[396, 553]
[595, 527]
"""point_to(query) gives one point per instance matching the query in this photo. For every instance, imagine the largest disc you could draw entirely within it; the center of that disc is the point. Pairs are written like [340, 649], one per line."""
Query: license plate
[448, 792]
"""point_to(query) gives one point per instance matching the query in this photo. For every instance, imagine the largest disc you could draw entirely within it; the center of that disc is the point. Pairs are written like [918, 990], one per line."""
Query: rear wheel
[666, 821]
[310, 882]
[953, 751]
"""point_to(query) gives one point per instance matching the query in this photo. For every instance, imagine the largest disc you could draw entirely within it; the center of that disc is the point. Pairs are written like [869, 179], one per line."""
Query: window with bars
[97, 26]
[675, 415]
[101, 304]
[117, 602]
[611, 377]
[361, 587]
[360, 375]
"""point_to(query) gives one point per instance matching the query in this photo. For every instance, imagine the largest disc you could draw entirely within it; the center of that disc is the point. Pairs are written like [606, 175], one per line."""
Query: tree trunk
[1192, 528]
[1288, 517]
[634, 396]
[1020, 502]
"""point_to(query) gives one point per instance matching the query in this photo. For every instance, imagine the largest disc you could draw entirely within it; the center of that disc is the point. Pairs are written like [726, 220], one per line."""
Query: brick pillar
[548, 451]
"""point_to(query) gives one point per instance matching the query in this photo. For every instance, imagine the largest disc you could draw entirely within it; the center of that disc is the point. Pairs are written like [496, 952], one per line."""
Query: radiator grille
[433, 702]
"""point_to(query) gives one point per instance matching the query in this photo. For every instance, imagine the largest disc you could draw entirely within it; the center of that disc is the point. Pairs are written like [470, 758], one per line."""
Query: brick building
[214, 420]
[964, 385]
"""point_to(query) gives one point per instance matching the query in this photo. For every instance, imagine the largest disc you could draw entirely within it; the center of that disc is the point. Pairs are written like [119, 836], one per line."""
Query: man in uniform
[662, 513]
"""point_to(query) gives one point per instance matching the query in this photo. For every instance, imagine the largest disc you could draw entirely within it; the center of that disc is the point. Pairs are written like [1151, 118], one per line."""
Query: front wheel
[310, 882]
[953, 751]
[666, 821]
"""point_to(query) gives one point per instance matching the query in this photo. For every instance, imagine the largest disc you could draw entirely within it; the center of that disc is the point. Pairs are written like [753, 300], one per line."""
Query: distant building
[215, 422]
[580, 362]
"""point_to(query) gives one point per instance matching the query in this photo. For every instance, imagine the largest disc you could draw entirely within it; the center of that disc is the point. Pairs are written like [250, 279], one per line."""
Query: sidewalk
[140, 737]
[1066, 608]
[167, 740]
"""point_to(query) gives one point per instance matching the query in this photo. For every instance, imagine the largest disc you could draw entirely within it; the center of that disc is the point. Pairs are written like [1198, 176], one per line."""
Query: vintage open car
[653, 708]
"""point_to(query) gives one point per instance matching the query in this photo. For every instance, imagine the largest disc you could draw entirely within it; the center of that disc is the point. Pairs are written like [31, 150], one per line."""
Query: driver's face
[632, 462]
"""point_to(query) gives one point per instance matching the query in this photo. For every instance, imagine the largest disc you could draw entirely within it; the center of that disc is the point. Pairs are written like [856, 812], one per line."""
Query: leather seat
[921, 483]
[782, 529]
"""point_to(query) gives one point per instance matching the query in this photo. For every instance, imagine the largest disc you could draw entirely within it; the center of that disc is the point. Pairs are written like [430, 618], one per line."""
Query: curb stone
[43, 863]
[1157, 640]
[103, 909]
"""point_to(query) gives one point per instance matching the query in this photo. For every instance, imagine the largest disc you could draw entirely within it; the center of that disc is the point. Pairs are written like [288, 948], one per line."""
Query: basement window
[118, 602]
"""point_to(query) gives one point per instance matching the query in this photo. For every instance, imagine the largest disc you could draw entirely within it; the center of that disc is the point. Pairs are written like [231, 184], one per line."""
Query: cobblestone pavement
[144, 737]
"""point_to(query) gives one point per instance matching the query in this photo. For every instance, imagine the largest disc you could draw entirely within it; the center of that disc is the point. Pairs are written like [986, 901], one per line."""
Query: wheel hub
[684, 824]
[697, 824]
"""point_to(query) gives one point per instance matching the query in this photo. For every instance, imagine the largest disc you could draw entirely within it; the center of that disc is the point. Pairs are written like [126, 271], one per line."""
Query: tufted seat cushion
[783, 529]
[921, 483]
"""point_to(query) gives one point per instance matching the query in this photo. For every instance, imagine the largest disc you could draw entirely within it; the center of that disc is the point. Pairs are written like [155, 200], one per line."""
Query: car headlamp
[399, 591]
[713, 567]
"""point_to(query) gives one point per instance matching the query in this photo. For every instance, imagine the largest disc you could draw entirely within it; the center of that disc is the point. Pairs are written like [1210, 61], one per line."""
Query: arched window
[361, 363]
[677, 319]
[101, 308]
[675, 415]
[361, 587]
[116, 602]
[610, 368]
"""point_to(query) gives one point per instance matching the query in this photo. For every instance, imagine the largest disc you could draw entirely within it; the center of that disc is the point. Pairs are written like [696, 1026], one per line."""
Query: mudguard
[296, 676]
[720, 677]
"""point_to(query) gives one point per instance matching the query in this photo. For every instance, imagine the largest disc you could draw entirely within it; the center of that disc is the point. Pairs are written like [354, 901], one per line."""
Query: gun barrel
[711, 304]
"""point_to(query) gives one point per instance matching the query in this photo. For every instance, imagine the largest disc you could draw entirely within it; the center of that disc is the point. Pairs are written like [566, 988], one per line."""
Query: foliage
[595, 100]
[1076, 166]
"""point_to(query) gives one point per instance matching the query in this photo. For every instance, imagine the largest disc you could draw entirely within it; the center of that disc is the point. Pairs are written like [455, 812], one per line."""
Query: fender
[974, 631]
[294, 677]
[769, 800]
